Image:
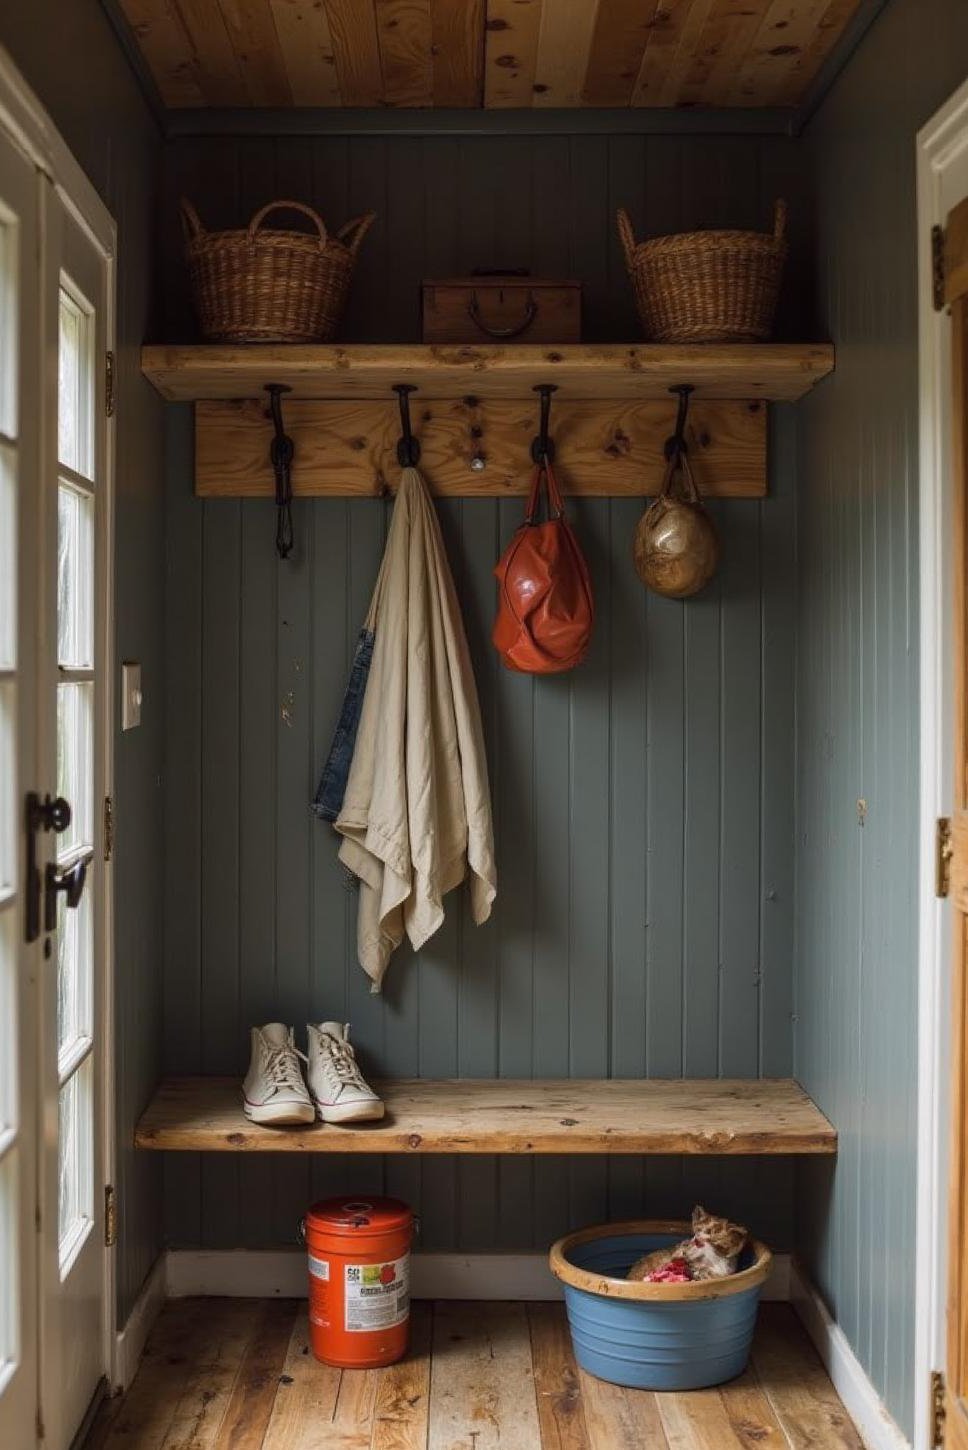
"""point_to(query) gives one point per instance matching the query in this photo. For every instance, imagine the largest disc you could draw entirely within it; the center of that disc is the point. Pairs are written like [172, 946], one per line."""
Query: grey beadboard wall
[643, 804]
[100, 111]
[857, 688]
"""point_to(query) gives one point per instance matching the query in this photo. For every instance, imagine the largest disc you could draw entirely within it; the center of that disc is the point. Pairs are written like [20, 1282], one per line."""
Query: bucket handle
[362, 225]
[314, 216]
[626, 236]
[779, 219]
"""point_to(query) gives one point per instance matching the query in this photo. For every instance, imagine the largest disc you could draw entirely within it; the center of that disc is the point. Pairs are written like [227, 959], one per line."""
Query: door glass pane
[8, 803]
[75, 946]
[75, 768]
[75, 579]
[10, 1262]
[8, 551]
[8, 1002]
[75, 400]
[74, 1163]
[8, 324]
[74, 762]
[10, 1187]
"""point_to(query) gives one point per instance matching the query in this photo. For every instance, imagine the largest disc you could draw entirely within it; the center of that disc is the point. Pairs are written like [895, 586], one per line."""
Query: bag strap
[679, 464]
[544, 475]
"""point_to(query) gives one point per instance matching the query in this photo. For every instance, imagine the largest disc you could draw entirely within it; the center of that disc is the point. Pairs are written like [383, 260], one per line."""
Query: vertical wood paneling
[182, 826]
[612, 787]
[739, 843]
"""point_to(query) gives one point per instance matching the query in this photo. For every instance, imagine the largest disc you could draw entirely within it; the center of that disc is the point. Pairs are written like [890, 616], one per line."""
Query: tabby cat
[711, 1253]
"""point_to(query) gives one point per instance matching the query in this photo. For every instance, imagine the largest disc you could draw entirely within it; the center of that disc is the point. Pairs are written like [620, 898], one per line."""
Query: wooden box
[496, 307]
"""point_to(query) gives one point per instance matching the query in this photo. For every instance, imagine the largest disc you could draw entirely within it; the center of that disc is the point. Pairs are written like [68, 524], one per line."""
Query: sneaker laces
[343, 1058]
[282, 1067]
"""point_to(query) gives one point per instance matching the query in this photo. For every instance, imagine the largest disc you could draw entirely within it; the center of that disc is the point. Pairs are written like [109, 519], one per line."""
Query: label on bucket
[377, 1295]
[319, 1268]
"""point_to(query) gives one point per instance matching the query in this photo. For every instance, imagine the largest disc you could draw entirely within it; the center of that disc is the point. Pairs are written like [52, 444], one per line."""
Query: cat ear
[699, 1215]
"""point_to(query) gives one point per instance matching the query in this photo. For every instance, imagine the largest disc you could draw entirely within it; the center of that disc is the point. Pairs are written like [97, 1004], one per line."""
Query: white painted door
[73, 734]
[55, 512]
[20, 964]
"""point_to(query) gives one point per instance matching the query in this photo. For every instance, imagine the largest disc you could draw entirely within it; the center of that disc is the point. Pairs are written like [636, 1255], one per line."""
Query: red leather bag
[545, 607]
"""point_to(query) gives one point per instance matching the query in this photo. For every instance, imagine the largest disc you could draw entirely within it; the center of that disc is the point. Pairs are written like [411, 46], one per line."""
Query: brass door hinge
[109, 384]
[937, 1409]
[942, 856]
[108, 827]
[110, 1216]
[937, 267]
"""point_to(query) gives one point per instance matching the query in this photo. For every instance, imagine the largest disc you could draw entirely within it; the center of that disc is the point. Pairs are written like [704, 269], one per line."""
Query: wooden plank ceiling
[490, 53]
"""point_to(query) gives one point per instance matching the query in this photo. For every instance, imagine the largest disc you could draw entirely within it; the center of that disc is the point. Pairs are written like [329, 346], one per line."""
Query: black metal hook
[543, 447]
[676, 445]
[408, 448]
[281, 452]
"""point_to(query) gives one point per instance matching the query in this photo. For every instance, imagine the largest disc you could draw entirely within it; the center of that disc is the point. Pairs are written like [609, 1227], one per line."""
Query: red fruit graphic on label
[387, 1274]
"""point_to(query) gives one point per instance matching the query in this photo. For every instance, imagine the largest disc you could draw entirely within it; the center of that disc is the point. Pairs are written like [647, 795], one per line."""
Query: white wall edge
[940, 145]
[860, 1399]
[266, 1273]
[129, 1342]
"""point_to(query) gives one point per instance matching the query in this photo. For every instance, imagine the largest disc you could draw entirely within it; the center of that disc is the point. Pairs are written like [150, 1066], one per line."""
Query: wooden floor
[237, 1374]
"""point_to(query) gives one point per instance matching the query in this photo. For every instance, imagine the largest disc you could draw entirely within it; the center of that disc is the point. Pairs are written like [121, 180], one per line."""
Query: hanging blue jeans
[332, 785]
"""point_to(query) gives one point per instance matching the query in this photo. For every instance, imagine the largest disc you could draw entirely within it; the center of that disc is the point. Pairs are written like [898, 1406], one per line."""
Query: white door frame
[941, 144]
[24, 117]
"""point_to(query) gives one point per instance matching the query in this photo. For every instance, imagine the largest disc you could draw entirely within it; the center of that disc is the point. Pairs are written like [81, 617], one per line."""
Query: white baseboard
[262, 1273]
[861, 1400]
[129, 1342]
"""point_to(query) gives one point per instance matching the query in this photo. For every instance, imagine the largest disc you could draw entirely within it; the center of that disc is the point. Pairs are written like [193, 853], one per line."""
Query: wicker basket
[714, 286]
[256, 285]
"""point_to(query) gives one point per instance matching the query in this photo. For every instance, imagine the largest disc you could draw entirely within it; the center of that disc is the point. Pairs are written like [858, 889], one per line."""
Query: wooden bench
[713, 1116]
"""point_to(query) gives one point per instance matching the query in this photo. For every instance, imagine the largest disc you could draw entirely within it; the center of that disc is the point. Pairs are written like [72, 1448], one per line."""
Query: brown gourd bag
[545, 607]
[675, 548]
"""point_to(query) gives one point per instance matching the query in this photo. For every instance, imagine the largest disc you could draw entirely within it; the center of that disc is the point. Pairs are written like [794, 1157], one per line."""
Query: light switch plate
[130, 695]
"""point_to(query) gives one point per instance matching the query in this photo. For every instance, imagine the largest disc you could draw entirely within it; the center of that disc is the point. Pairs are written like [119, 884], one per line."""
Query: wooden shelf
[777, 372]
[768, 1116]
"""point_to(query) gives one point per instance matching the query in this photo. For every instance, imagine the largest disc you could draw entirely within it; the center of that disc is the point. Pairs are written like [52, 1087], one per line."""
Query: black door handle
[71, 882]
[41, 815]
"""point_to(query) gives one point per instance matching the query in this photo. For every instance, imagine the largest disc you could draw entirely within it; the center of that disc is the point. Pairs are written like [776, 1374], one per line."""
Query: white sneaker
[341, 1093]
[274, 1090]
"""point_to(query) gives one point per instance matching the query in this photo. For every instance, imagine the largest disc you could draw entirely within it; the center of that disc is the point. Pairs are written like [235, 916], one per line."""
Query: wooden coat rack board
[475, 414]
[602, 448]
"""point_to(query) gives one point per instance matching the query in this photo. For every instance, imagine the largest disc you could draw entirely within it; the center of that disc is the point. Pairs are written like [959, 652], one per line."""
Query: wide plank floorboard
[238, 1374]
[482, 1394]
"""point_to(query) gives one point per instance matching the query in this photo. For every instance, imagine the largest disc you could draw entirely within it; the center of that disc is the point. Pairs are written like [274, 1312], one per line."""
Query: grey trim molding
[853, 33]
[118, 22]
[346, 121]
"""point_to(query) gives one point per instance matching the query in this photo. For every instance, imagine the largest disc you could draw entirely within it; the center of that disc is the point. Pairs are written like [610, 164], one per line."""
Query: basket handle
[626, 236]
[191, 221]
[779, 219]
[362, 225]
[314, 216]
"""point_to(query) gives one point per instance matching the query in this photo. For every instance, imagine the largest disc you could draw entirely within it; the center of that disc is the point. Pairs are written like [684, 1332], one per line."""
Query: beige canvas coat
[416, 816]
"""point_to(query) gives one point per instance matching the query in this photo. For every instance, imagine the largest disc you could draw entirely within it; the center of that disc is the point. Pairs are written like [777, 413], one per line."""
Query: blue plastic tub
[655, 1336]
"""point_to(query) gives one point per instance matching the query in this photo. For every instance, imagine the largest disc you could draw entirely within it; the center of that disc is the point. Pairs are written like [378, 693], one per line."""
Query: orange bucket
[359, 1280]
